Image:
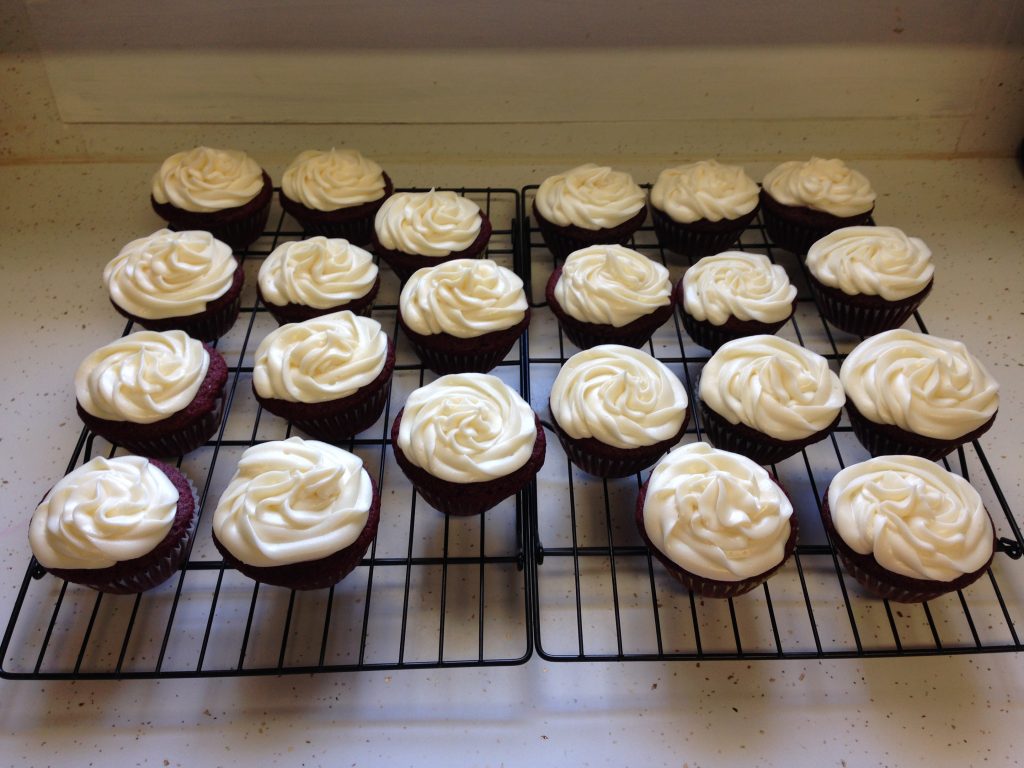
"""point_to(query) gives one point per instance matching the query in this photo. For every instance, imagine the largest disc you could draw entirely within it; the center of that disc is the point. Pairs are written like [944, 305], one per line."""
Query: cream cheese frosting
[328, 181]
[293, 501]
[618, 395]
[737, 284]
[105, 512]
[920, 383]
[319, 272]
[705, 190]
[467, 428]
[590, 197]
[823, 185]
[170, 274]
[772, 385]
[322, 359]
[203, 180]
[142, 377]
[875, 261]
[465, 298]
[434, 223]
[716, 514]
[611, 285]
[913, 516]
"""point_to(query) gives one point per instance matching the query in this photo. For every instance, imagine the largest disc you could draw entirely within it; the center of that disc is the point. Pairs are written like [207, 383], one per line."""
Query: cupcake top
[467, 428]
[328, 181]
[204, 180]
[746, 286]
[772, 385]
[705, 190]
[590, 197]
[716, 514]
[170, 274]
[873, 261]
[920, 383]
[319, 272]
[914, 517]
[105, 512]
[142, 377]
[464, 298]
[823, 185]
[434, 223]
[611, 285]
[293, 501]
[619, 396]
[318, 360]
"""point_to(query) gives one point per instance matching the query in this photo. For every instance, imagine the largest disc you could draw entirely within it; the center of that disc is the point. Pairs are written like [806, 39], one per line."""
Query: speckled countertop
[59, 224]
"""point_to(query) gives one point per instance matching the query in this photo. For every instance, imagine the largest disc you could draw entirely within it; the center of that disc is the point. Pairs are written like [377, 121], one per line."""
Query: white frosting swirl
[142, 377]
[716, 514]
[704, 190]
[923, 384]
[293, 501]
[913, 516]
[611, 285]
[319, 272]
[322, 359]
[618, 395]
[428, 223]
[467, 428]
[590, 197]
[875, 261]
[327, 181]
[772, 385]
[746, 286]
[203, 180]
[824, 185]
[464, 298]
[105, 512]
[170, 274]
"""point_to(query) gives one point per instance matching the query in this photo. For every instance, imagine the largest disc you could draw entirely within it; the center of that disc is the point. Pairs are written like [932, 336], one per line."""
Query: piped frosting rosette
[590, 197]
[435, 223]
[338, 178]
[705, 190]
[737, 284]
[319, 272]
[822, 185]
[204, 180]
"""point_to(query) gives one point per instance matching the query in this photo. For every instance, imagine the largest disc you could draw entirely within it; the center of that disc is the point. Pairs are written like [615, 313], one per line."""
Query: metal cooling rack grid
[432, 591]
[601, 597]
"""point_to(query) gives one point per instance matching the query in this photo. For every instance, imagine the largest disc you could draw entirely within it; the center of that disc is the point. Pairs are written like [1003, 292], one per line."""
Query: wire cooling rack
[433, 591]
[599, 595]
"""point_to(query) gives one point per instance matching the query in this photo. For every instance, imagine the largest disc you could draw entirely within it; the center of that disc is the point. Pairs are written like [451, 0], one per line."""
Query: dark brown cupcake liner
[562, 241]
[298, 313]
[313, 574]
[884, 583]
[698, 238]
[705, 587]
[404, 264]
[890, 440]
[444, 353]
[465, 499]
[755, 445]
[861, 314]
[796, 228]
[354, 224]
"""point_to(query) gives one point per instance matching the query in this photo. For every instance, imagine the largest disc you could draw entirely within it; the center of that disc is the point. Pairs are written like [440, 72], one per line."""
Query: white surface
[60, 224]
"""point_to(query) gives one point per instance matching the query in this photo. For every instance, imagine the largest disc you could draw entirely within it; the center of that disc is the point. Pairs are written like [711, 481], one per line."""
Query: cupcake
[467, 441]
[588, 205]
[221, 191]
[154, 394]
[298, 514]
[768, 398]
[120, 525]
[616, 410]
[463, 315]
[185, 281]
[801, 202]
[335, 194]
[302, 279]
[329, 375]
[869, 279]
[702, 208]
[918, 394]
[717, 521]
[609, 294]
[732, 295]
[907, 529]
[413, 230]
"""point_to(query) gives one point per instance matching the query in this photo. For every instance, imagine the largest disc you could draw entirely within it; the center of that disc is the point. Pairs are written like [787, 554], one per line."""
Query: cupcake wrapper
[404, 264]
[353, 224]
[562, 241]
[444, 362]
[244, 232]
[797, 229]
[864, 316]
[698, 239]
[298, 313]
[711, 336]
[443, 353]
[756, 446]
[211, 327]
[343, 426]
[182, 441]
[890, 440]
